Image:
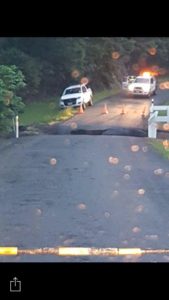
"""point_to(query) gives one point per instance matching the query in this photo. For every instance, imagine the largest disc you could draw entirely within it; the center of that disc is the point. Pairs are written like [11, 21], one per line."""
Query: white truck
[145, 85]
[75, 96]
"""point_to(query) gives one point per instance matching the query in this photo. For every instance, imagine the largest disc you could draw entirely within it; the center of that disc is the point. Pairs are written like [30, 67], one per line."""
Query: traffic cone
[105, 110]
[122, 111]
[81, 111]
[143, 112]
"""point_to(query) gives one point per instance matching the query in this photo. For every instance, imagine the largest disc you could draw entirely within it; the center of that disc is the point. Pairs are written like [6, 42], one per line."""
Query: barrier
[155, 118]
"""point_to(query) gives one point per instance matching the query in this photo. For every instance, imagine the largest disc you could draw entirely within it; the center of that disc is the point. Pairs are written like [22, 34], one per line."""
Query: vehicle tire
[90, 102]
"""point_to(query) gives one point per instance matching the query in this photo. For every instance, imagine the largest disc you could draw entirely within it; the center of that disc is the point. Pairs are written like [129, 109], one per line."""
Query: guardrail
[154, 118]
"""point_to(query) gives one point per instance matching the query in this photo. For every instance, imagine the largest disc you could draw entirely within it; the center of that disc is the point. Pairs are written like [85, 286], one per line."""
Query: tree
[11, 81]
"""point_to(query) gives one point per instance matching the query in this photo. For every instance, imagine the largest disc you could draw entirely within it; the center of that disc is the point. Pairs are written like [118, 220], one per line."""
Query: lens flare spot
[7, 101]
[115, 193]
[107, 215]
[84, 80]
[135, 148]
[136, 229]
[81, 206]
[38, 212]
[167, 84]
[126, 176]
[75, 73]
[68, 241]
[115, 55]
[141, 191]
[158, 171]
[152, 51]
[139, 208]
[73, 125]
[135, 67]
[127, 168]
[166, 144]
[164, 85]
[152, 237]
[113, 160]
[125, 242]
[53, 161]
[166, 126]
[144, 148]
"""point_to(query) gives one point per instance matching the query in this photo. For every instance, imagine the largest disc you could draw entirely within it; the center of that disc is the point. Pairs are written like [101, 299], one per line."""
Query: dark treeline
[50, 64]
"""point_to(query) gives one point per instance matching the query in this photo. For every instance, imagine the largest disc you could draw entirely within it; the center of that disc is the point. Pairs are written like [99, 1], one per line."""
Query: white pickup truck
[76, 95]
[143, 85]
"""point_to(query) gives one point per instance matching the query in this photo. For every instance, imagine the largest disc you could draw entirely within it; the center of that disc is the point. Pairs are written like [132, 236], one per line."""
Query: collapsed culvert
[113, 131]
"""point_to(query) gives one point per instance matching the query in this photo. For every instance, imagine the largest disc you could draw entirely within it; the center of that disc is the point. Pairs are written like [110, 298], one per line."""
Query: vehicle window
[142, 80]
[72, 91]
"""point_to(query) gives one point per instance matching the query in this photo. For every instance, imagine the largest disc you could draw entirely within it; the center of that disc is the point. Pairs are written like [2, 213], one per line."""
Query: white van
[143, 85]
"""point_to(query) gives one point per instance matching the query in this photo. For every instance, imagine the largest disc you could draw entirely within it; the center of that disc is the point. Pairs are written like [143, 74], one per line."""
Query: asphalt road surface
[114, 112]
[84, 191]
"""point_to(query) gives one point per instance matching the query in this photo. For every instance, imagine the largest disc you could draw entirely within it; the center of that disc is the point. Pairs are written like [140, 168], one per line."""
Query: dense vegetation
[44, 66]
[49, 64]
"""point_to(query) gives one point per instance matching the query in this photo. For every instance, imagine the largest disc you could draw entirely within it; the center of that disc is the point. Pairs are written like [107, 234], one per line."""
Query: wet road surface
[98, 191]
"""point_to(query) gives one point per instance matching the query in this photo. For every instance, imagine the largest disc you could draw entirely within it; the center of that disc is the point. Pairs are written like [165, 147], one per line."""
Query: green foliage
[158, 146]
[48, 63]
[11, 81]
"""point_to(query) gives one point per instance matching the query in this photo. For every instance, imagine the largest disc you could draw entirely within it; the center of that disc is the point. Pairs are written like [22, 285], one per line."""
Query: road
[98, 191]
[122, 113]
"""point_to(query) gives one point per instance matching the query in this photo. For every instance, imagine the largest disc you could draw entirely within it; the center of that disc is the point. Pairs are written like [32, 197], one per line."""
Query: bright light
[146, 74]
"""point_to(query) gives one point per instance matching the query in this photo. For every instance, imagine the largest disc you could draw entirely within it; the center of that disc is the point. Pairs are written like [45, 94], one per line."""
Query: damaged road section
[114, 131]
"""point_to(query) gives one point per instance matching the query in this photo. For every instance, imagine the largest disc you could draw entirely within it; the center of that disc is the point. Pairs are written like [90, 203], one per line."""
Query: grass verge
[48, 112]
[99, 96]
[161, 147]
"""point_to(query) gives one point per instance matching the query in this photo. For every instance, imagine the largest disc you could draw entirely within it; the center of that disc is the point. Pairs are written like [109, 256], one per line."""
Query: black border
[100, 19]
[67, 279]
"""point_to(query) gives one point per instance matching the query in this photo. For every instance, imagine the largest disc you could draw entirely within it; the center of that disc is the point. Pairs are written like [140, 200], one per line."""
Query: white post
[17, 127]
[167, 114]
[152, 107]
[152, 130]
[152, 125]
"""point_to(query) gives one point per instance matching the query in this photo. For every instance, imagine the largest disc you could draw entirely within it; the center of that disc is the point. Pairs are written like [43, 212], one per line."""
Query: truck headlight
[130, 88]
[79, 100]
